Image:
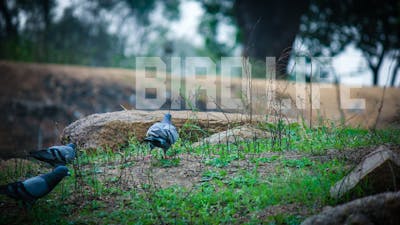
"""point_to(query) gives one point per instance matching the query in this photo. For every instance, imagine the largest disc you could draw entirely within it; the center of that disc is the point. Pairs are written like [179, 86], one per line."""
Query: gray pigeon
[36, 187]
[56, 155]
[162, 134]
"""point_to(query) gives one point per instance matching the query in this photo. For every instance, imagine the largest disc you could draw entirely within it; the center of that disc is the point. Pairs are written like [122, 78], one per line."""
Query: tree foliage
[372, 26]
[265, 28]
[216, 12]
[29, 30]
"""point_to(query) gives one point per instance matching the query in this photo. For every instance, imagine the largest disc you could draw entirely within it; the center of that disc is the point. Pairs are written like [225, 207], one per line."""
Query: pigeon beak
[68, 173]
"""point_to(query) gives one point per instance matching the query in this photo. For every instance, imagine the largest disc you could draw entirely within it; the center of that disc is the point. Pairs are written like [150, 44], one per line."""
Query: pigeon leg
[30, 204]
[27, 205]
[150, 146]
[165, 154]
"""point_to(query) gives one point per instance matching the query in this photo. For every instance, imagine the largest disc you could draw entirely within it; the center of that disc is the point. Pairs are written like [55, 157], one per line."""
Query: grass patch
[232, 184]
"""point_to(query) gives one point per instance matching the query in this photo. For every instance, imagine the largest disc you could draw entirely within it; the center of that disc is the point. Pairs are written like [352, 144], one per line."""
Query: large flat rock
[379, 171]
[115, 128]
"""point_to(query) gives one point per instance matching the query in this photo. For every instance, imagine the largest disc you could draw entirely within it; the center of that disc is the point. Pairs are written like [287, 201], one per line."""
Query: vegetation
[270, 181]
[328, 28]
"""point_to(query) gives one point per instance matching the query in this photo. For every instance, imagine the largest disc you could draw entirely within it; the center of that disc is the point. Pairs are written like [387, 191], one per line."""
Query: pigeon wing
[171, 134]
[55, 155]
[46, 155]
[66, 153]
[36, 186]
[155, 135]
[155, 130]
[17, 191]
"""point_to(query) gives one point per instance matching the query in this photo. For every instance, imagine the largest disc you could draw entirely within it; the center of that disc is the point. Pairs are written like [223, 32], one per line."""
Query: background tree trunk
[375, 73]
[10, 26]
[394, 73]
[269, 28]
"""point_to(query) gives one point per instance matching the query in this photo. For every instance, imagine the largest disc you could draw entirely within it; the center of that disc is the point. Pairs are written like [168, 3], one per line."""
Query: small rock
[240, 133]
[378, 172]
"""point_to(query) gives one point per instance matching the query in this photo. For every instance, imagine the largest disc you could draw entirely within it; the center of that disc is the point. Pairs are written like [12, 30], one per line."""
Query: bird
[162, 134]
[36, 187]
[56, 155]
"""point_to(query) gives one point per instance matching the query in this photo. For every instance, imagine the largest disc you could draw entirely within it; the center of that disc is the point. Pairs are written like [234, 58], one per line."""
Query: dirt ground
[188, 173]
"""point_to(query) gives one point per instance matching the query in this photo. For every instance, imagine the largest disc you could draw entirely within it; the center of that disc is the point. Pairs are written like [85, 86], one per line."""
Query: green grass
[278, 171]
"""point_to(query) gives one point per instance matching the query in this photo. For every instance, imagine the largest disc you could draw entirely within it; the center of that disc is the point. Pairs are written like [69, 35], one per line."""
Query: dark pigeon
[56, 155]
[162, 134]
[36, 187]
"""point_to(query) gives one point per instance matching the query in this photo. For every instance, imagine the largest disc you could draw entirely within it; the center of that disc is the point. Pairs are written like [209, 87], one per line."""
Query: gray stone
[378, 172]
[236, 134]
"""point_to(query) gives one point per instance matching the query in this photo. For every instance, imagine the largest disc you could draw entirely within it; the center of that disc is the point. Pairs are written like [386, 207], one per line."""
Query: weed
[166, 162]
[297, 163]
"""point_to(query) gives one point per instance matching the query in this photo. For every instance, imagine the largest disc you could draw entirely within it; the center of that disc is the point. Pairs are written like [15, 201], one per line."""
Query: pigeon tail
[39, 155]
[35, 152]
[158, 142]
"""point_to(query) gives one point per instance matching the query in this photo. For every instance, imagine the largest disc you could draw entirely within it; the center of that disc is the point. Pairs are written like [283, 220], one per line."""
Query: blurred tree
[216, 12]
[9, 25]
[34, 14]
[372, 26]
[29, 30]
[82, 42]
[269, 28]
[21, 20]
[33, 35]
[266, 28]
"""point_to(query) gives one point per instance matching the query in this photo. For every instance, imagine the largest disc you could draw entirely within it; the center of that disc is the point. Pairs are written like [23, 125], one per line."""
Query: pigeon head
[72, 145]
[167, 118]
[61, 171]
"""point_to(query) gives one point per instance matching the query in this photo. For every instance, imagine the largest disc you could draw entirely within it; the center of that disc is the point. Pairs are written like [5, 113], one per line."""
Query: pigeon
[36, 187]
[162, 134]
[56, 155]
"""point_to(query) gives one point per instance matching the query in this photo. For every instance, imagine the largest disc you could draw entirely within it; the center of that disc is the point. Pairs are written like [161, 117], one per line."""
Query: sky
[350, 64]
[353, 68]
[186, 27]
